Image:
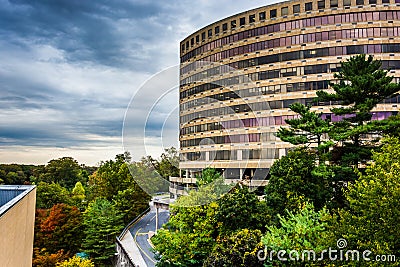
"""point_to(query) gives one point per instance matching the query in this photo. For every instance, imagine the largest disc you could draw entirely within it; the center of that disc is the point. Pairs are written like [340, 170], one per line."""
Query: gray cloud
[69, 69]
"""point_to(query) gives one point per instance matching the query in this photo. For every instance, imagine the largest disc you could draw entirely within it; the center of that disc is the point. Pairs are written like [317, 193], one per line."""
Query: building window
[334, 3]
[308, 6]
[209, 33]
[321, 4]
[284, 11]
[183, 47]
[296, 8]
[224, 27]
[242, 21]
[197, 38]
[372, 2]
[233, 24]
[262, 15]
[346, 2]
[203, 36]
[187, 45]
[217, 30]
[385, 1]
[192, 41]
[359, 2]
[252, 18]
[272, 13]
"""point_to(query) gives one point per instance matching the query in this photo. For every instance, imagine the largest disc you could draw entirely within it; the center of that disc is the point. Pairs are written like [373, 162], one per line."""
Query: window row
[258, 106]
[288, 41]
[296, 55]
[241, 123]
[252, 107]
[243, 154]
[292, 25]
[232, 139]
[256, 122]
[262, 90]
[278, 73]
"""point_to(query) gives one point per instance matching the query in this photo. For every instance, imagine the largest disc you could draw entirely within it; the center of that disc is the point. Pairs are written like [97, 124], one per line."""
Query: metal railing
[122, 257]
[126, 229]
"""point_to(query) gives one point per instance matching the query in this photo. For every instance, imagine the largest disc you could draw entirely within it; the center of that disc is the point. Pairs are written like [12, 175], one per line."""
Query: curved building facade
[239, 75]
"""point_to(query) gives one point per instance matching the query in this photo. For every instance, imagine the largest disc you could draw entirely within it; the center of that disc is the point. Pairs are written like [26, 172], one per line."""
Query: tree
[303, 230]
[78, 195]
[42, 258]
[295, 179]
[50, 194]
[208, 175]
[189, 236]
[308, 128]
[65, 171]
[76, 262]
[240, 209]
[12, 174]
[239, 249]
[131, 202]
[102, 224]
[110, 178]
[168, 165]
[371, 221]
[362, 84]
[62, 229]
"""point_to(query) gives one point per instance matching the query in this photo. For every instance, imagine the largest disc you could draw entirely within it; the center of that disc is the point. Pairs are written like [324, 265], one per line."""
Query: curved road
[141, 229]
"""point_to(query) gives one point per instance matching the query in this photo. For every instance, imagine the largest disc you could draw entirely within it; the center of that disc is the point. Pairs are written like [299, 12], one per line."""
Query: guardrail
[122, 256]
[126, 229]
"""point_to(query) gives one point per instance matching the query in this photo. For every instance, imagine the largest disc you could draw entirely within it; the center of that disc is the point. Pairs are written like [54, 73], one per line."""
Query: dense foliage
[81, 208]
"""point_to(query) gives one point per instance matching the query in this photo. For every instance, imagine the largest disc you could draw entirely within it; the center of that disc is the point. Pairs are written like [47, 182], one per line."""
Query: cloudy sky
[69, 70]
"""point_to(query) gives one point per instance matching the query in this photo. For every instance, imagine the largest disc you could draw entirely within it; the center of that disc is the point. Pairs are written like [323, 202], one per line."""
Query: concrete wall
[16, 232]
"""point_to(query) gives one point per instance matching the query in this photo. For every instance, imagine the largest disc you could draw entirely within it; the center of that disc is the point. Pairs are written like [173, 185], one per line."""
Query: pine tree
[102, 224]
[362, 84]
[308, 128]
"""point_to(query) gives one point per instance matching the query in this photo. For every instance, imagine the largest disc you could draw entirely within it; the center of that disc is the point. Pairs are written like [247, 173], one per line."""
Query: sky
[73, 73]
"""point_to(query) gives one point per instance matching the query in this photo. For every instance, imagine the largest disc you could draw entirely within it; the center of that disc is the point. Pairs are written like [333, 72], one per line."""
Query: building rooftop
[11, 195]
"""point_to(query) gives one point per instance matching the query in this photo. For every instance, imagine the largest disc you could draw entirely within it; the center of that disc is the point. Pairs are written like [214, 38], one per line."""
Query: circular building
[239, 76]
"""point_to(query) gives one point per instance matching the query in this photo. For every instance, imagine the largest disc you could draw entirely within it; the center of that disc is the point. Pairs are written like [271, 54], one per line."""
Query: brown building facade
[17, 218]
[239, 75]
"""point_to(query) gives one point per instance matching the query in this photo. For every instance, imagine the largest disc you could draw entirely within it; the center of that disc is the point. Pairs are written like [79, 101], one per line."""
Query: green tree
[303, 230]
[239, 249]
[65, 171]
[371, 221]
[110, 178]
[240, 209]
[148, 178]
[76, 262]
[102, 224]
[294, 179]
[308, 128]
[50, 194]
[78, 195]
[13, 174]
[131, 202]
[362, 84]
[168, 165]
[189, 236]
[208, 175]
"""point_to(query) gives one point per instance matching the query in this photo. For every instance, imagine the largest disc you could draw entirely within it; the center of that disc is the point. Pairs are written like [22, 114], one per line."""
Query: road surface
[141, 229]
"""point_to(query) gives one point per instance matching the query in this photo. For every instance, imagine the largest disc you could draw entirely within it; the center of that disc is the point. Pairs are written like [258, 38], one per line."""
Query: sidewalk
[133, 251]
